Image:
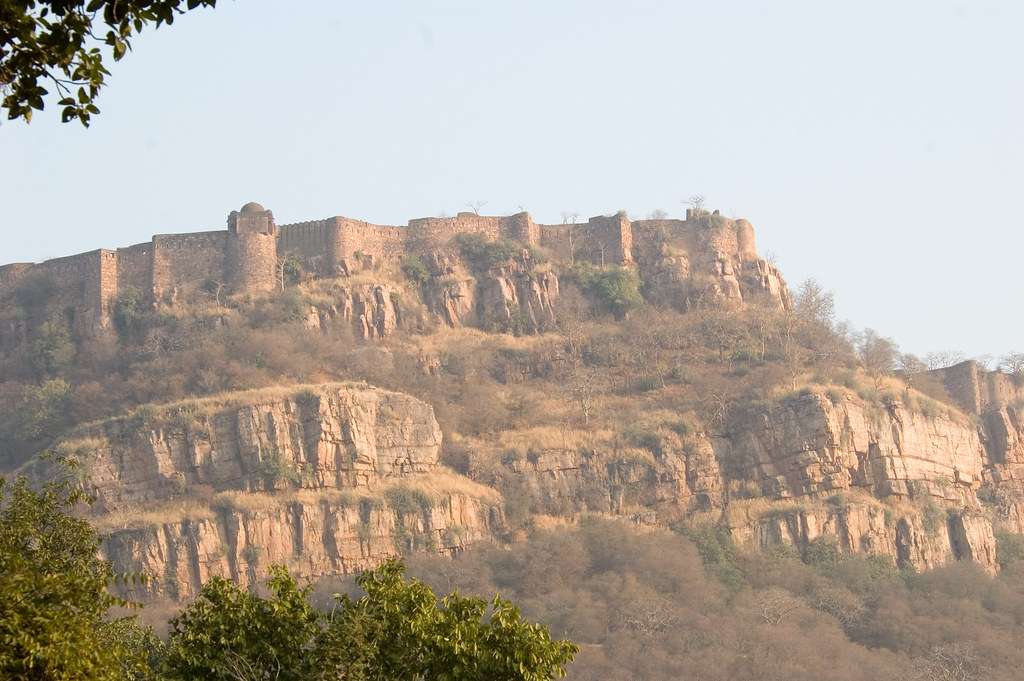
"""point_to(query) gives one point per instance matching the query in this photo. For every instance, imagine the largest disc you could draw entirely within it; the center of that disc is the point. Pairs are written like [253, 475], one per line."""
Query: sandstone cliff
[877, 479]
[331, 479]
[327, 479]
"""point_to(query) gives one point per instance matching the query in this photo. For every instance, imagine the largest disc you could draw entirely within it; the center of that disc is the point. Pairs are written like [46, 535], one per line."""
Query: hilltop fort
[246, 257]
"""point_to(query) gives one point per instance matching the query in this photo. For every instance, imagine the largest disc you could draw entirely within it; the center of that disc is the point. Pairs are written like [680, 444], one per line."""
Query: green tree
[61, 43]
[52, 350]
[228, 633]
[415, 269]
[41, 411]
[129, 311]
[53, 592]
[397, 631]
[482, 253]
[616, 288]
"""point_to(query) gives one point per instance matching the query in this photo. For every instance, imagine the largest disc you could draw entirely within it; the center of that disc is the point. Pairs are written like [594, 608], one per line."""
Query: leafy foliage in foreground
[53, 592]
[396, 631]
[55, 620]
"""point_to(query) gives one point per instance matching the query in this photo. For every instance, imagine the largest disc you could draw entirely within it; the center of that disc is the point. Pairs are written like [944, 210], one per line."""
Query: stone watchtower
[252, 250]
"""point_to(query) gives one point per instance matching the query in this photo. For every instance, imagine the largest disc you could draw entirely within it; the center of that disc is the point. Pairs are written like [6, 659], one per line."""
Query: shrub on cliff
[616, 289]
[52, 351]
[482, 253]
[415, 269]
[129, 311]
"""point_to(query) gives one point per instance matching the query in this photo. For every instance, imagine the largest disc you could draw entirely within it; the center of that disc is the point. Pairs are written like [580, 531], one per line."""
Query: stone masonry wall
[78, 282]
[977, 390]
[311, 242]
[377, 241]
[135, 268]
[173, 264]
[184, 260]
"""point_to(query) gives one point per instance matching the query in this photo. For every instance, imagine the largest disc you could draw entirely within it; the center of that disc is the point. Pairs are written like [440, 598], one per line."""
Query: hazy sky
[876, 146]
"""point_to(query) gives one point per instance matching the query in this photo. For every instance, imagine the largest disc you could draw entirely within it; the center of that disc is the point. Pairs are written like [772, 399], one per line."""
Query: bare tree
[813, 304]
[697, 202]
[1013, 364]
[775, 605]
[475, 206]
[877, 355]
[910, 364]
[943, 359]
[571, 219]
[585, 386]
[657, 214]
[651, 615]
[951, 662]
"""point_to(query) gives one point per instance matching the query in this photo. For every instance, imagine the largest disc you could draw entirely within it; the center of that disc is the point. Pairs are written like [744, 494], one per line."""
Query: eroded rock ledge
[326, 479]
[332, 479]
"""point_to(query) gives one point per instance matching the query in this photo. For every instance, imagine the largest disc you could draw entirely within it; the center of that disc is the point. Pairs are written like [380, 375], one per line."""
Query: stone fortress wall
[977, 390]
[244, 258]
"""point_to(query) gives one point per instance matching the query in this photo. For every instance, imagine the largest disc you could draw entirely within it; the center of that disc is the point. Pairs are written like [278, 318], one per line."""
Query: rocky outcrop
[341, 436]
[314, 537]
[517, 298]
[820, 466]
[510, 296]
[661, 483]
[372, 311]
[902, 483]
[706, 259]
[819, 443]
[922, 538]
[326, 479]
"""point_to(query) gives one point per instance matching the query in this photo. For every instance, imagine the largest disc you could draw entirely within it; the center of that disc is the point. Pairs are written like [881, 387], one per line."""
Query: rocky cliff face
[894, 481]
[314, 535]
[332, 479]
[817, 443]
[818, 467]
[326, 479]
[371, 311]
[705, 259]
[509, 296]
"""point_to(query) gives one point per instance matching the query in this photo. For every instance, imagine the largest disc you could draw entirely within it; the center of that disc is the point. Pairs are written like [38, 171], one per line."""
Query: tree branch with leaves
[58, 47]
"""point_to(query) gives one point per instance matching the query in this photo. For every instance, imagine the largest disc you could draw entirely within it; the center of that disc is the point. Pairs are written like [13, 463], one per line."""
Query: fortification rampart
[135, 268]
[977, 390]
[246, 256]
[251, 265]
[308, 241]
[352, 237]
[182, 261]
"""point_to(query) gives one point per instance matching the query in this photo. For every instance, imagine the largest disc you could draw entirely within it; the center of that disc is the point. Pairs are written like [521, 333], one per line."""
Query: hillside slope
[472, 386]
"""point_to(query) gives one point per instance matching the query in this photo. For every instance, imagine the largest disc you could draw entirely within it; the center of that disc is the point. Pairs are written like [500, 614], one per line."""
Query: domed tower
[252, 250]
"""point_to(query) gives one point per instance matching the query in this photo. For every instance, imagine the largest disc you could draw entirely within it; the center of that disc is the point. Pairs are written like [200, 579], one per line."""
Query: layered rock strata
[325, 479]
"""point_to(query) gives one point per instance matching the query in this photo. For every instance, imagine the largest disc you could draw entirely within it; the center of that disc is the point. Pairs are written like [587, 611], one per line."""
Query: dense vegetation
[56, 620]
[652, 605]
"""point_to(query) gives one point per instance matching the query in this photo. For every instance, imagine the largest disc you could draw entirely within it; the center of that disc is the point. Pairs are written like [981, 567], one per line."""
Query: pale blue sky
[876, 146]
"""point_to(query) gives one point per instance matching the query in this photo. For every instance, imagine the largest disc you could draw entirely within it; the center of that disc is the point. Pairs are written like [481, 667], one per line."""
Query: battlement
[245, 257]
